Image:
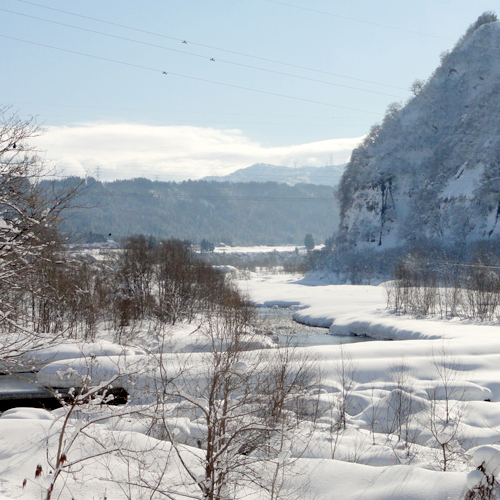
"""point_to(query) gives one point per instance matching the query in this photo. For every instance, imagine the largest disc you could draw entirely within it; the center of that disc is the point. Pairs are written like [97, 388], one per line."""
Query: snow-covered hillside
[262, 172]
[431, 168]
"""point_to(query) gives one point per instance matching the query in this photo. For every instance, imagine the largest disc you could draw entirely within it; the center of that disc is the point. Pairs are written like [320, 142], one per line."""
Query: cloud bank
[125, 151]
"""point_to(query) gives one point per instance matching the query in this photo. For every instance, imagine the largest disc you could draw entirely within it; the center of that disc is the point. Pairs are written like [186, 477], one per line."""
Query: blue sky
[210, 117]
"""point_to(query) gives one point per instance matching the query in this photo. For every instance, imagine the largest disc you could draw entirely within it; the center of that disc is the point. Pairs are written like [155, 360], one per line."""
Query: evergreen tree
[206, 246]
[309, 241]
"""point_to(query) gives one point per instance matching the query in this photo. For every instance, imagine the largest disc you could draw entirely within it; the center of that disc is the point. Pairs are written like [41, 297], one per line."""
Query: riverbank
[384, 407]
[347, 310]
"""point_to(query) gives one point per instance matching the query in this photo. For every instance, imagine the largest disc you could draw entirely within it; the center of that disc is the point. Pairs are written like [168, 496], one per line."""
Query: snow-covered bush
[482, 482]
[424, 285]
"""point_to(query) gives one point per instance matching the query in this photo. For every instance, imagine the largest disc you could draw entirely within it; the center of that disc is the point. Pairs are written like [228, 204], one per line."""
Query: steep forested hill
[250, 213]
[431, 169]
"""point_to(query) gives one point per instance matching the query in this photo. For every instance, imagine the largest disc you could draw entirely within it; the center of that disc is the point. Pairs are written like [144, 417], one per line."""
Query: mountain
[431, 169]
[262, 172]
[251, 213]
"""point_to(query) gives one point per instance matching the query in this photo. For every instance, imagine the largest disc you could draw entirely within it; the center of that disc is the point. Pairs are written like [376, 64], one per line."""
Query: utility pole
[98, 173]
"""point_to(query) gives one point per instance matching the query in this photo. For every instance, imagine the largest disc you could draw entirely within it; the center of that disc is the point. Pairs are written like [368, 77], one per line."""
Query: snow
[284, 456]
[260, 172]
[474, 478]
[239, 367]
[489, 458]
[226, 269]
[73, 350]
[427, 363]
[350, 310]
[464, 183]
[257, 249]
[28, 413]
[73, 372]
[346, 481]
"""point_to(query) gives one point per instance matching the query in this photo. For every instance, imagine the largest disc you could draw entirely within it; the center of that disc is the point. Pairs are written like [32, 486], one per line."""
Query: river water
[279, 322]
[275, 321]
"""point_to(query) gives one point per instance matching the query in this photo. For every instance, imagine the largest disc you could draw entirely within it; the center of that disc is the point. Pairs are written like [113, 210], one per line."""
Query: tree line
[250, 213]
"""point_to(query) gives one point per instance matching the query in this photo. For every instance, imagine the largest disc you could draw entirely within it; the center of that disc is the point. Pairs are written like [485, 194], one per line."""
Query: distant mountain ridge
[431, 169]
[263, 172]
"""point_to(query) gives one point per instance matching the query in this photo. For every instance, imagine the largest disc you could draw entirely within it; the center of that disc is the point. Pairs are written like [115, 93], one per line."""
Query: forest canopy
[251, 213]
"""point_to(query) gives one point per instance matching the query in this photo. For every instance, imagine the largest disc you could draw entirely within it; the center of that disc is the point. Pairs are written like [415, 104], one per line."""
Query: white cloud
[124, 150]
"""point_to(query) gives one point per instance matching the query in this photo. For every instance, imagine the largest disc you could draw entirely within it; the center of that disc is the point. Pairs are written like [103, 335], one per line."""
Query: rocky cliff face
[431, 169]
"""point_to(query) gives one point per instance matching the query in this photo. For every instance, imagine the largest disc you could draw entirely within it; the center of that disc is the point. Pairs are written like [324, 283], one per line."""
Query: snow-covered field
[361, 310]
[263, 249]
[393, 412]
[256, 249]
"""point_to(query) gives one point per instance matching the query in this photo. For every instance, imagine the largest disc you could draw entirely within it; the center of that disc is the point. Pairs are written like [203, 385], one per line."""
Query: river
[279, 321]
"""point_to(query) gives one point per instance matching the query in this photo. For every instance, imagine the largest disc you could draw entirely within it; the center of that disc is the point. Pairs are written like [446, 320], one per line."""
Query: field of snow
[361, 310]
[423, 388]
[258, 249]
[263, 249]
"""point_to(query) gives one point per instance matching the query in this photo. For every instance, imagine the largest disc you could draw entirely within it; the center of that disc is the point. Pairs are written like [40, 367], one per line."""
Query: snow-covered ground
[397, 420]
[259, 249]
[419, 348]
[256, 249]
[362, 310]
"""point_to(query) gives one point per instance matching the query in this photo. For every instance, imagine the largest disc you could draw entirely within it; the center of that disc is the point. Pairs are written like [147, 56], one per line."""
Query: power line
[270, 177]
[148, 176]
[168, 171]
[398, 28]
[183, 123]
[201, 56]
[318, 181]
[209, 46]
[214, 197]
[81, 54]
[482, 266]
[173, 122]
[178, 112]
[196, 153]
[134, 168]
[356, 20]
[172, 172]
[239, 87]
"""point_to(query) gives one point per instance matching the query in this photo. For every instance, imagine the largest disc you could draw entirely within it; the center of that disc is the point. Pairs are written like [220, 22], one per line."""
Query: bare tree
[403, 408]
[346, 370]
[417, 86]
[29, 213]
[373, 414]
[447, 408]
[76, 435]
[244, 405]
[402, 405]
[482, 482]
